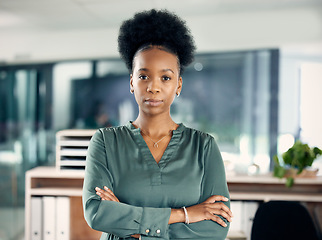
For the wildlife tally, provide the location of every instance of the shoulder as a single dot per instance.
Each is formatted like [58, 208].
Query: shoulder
[199, 135]
[204, 143]
[110, 133]
[110, 130]
[207, 145]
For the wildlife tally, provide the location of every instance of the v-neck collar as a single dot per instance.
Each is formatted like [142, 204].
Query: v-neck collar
[147, 155]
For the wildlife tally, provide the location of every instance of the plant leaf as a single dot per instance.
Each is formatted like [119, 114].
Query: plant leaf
[276, 161]
[317, 151]
[289, 182]
[279, 171]
[288, 156]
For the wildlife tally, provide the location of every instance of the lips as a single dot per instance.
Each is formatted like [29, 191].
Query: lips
[153, 102]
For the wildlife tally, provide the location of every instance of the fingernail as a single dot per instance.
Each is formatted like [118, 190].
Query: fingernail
[97, 188]
[106, 187]
[226, 199]
[225, 225]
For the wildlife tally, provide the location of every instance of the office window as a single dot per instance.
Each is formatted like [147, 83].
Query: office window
[229, 95]
[232, 96]
[25, 138]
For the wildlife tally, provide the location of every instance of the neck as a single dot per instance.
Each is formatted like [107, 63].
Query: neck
[155, 126]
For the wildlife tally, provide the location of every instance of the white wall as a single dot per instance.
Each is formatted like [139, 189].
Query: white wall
[220, 32]
[291, 61]
[249, 30]
[38, 46]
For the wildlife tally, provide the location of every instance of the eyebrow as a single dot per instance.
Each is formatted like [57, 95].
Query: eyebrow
[167, 70]
[163, 70]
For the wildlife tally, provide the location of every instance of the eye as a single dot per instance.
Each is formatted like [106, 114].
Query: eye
[166, 78]
[143, 77]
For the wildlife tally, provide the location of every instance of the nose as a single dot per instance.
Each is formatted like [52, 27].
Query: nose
[154, 86]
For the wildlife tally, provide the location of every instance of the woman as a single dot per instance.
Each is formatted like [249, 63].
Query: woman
[154, 178]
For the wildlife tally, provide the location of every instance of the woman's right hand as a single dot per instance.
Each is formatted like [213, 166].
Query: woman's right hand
[209, 209]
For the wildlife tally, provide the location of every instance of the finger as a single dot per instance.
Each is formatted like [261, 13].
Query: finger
[102, 196]
[216, 198]
[110, 191]
[105, 195]
[222, 213]
[110, 196]
[136, 235]
[218, 220]
[222, 206]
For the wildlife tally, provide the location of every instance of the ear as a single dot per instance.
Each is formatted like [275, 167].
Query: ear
[179, 88]
[131, 82]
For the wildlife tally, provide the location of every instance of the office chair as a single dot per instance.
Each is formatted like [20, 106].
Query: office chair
[283, 220]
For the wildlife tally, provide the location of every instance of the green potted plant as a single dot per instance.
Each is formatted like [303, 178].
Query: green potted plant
[295, 161]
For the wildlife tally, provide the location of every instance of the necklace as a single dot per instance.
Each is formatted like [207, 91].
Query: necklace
[156, 145]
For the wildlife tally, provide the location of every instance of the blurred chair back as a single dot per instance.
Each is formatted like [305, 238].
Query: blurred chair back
[283, 220]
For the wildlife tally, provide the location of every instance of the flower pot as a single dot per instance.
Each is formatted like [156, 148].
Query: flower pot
[306, 173]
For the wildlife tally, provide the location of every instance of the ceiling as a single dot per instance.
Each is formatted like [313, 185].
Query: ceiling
[52, 30]
[18, 15]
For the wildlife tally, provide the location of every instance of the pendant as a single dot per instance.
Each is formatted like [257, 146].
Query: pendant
[155, 145]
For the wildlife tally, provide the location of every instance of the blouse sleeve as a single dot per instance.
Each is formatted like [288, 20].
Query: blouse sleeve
[213, 183]
[119, 219]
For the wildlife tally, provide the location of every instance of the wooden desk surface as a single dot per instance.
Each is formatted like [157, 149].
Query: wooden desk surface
[269, 179]
[258, 188]
[267, 187]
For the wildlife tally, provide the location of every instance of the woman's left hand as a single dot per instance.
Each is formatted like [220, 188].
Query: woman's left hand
[106, 194]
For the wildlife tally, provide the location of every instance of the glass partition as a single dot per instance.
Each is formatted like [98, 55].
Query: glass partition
[229, 95]
[25, 136]
[232, 96]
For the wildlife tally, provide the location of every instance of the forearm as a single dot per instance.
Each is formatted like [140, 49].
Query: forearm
[201, 229]
[176, 216]
[124, 220]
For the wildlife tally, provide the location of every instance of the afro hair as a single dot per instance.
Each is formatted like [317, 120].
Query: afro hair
[156, 27]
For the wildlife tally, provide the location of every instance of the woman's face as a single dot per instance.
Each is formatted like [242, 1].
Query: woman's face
[155, 80]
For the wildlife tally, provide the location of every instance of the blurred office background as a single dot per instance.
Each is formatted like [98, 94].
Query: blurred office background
[255, 83]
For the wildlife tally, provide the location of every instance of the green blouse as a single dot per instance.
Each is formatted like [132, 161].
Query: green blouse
[190, 171]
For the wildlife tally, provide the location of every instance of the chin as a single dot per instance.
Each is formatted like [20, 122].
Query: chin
[154, 111]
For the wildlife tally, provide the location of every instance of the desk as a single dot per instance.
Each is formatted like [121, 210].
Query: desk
[50, 181]
[267, 187]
